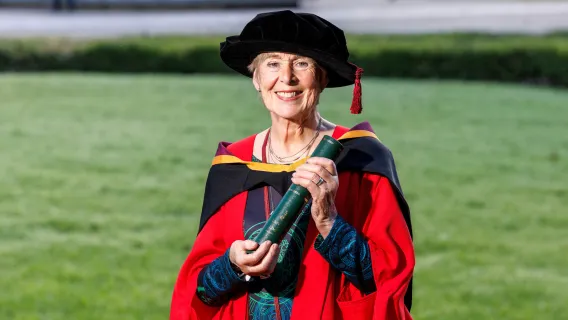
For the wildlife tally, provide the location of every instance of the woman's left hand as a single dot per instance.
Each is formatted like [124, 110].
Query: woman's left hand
[323, 191]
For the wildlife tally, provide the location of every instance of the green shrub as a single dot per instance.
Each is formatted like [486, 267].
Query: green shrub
[511, 58]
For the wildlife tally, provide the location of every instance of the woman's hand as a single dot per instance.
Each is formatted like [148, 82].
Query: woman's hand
[323, 190]
[258, 263]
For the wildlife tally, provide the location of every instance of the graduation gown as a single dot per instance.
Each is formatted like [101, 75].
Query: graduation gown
[369, 198]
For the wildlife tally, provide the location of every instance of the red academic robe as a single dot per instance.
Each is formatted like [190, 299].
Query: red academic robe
[370, 202]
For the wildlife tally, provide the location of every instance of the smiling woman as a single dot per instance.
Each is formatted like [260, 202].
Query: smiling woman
[290, 85]
[349, 254]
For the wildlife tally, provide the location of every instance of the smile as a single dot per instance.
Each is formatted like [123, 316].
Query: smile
[288, 95]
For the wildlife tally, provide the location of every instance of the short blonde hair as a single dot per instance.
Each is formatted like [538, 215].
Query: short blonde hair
[257, 61]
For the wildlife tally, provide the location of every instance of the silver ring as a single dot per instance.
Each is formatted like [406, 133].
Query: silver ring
[320, 182]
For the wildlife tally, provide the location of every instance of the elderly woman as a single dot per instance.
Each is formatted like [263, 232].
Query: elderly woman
[349, 253]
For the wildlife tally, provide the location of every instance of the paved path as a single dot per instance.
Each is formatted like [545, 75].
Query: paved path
[399, 17]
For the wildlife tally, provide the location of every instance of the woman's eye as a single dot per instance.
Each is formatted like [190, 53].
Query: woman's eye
[302, 64]
[272, 64]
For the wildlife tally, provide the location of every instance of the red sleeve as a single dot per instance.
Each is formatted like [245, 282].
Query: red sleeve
[379, 218]
[208, 246]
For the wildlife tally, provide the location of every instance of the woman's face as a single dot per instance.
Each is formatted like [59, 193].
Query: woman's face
[289, 84]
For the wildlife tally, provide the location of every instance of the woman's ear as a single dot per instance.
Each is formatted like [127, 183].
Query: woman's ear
[323, 79]
[255, 81]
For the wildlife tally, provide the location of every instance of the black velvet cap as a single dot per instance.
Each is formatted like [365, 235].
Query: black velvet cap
[304, 34]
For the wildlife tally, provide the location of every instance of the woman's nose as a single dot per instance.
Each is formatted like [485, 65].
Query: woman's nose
[287, 75]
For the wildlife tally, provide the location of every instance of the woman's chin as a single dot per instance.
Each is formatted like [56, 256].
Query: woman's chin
[290, 112]
[292, 116]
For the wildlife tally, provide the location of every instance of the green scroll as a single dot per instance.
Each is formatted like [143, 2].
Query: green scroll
[295, 198]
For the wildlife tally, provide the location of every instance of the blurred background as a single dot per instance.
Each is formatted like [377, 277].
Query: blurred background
[111, 111]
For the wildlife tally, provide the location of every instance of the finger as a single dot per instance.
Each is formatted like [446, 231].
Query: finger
[314, 177]
[315, 169]
[251, 259]
[308, 184]
[250, 245]
[264, 267]
[329, 182]
[327, 164]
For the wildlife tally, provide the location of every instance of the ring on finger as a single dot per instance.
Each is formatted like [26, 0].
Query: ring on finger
[320, 182]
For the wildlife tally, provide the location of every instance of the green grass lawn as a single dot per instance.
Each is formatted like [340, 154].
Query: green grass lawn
[102, 178]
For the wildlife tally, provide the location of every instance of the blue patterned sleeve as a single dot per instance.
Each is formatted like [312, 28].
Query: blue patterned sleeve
[218, 281]
[346, 250]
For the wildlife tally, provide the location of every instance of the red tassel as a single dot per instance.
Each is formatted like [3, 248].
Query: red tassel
[356, 105]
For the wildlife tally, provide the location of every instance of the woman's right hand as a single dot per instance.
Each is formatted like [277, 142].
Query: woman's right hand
[261, 262]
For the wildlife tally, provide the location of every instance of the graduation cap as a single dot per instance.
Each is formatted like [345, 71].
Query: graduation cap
[304, 34]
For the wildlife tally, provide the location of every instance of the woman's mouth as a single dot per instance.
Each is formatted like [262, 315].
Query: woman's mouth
[288, 95]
